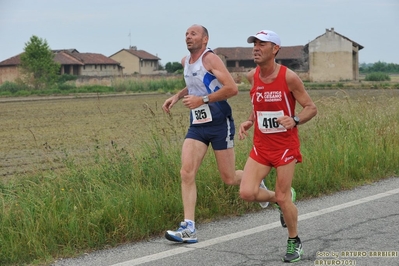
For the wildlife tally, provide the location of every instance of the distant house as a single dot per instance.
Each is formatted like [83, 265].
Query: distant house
[72, 62]
[333, 57]
[9, 69]
[329, 57]
[86, 64]
[136, 61]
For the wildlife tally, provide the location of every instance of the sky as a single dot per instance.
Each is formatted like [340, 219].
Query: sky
[159, 26]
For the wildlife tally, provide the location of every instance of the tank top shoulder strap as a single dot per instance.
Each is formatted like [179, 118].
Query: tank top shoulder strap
[206, 50]
[257, 69]
[281, 72]
[199, 59]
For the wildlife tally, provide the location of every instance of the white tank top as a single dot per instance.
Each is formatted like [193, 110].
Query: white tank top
[200, 82]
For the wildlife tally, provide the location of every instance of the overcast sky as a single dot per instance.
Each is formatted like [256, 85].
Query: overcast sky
[159, 26]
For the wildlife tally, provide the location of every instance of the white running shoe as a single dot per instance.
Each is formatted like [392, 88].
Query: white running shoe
[182, 234]
[263, 204]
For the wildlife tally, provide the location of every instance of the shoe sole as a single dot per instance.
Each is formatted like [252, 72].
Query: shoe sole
[178, 239]
[295, 260]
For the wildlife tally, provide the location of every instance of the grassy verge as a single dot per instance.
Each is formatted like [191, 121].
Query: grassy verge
[131, 192]
[117, 85]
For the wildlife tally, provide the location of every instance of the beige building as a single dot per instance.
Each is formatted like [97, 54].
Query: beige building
[86, 64]
[333, 57]
[9, 69]
[136, 61]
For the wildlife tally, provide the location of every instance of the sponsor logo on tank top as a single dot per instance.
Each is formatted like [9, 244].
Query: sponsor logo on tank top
[259, 97]
[272, 96]
[269, 96]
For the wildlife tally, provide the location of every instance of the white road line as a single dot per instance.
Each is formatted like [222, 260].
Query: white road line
[221, 239]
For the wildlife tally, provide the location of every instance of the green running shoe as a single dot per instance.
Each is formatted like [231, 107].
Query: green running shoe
[294, 251]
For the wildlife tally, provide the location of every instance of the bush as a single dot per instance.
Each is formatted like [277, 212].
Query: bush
[377, 76]
[12, 87]
[66, 77]
[23, 93]
[66, 87]
[340, 85]
[95, 89]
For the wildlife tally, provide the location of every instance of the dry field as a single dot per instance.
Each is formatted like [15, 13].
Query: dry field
[40, 133]
[394, 77]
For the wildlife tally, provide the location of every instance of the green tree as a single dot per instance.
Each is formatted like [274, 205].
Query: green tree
[38, 66]
[380, 67]
[173, 67]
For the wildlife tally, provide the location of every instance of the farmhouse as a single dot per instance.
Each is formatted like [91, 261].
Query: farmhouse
[72, 62]
[333, 57]
[136, 61]
[9, 69]
[86, 64]
[329, 57]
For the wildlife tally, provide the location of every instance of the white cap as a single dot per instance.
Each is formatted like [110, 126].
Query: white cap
[265, 36]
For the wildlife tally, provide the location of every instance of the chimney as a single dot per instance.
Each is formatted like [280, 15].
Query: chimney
[331, 30]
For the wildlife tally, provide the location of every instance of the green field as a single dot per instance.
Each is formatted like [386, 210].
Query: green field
[81, 174]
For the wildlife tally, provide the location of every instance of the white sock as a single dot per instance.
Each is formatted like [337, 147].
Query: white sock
[190, 225]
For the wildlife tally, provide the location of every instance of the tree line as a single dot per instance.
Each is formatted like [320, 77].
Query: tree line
[381, 67]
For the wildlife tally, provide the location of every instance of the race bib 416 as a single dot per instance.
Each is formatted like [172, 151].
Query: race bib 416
[267, 122]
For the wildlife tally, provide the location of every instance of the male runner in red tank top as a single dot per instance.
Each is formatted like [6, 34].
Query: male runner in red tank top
[275, 91]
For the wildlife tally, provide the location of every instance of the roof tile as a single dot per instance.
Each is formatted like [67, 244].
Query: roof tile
[142, 54]
[68, 57]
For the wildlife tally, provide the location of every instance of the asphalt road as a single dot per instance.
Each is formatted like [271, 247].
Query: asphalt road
[357, 227]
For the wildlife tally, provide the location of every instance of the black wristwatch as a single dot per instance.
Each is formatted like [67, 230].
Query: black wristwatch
[296, 120]
[205, 99]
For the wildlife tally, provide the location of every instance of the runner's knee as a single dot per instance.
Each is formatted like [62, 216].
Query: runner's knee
[283, 199]
[229, 179]
[247, 195]
[187, 176]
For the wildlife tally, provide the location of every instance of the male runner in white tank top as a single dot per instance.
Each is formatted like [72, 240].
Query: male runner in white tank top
[208, 86]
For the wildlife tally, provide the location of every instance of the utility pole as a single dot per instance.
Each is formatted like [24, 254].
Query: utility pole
[130, 39]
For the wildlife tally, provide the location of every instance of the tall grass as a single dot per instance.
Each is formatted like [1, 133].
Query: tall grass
[352, 141]
[132, 193]
[170, 84]
[150, 85]
[127, 85]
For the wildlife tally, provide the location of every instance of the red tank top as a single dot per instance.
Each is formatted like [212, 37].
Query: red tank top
[270, 101]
